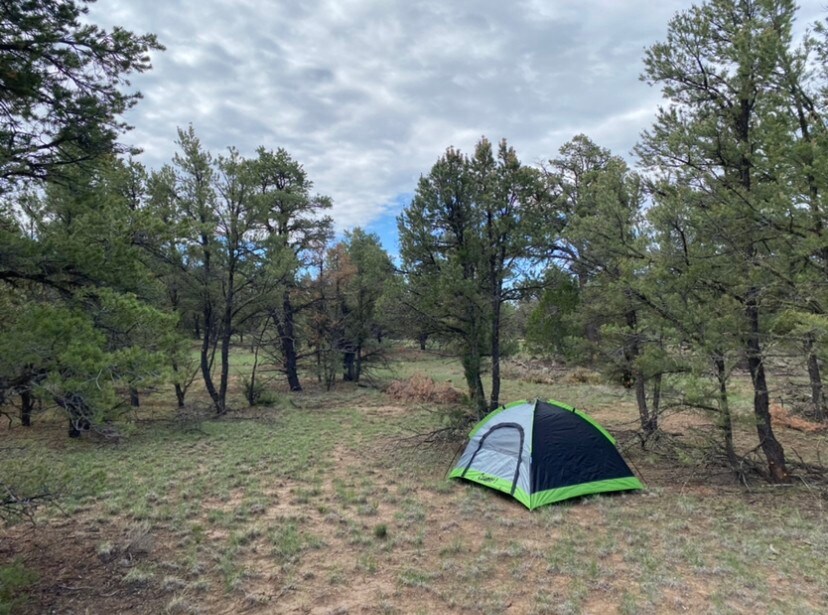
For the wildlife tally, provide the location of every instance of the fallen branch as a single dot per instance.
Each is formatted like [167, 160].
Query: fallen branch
[436, 437]
[14, 506]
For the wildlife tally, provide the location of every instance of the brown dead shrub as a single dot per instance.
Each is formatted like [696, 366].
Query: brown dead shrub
[422, 388]
[781, 417]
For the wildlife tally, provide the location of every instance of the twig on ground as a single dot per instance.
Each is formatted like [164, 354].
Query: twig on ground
[14, 506]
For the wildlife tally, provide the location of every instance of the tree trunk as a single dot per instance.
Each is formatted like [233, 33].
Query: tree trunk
[179, 395]
[358, 364]
[774, 453]
[656, 404]
[227, 334]
[348, 360]
[494, 400]
[206, 362]
[471, 369]
[256, 343]
[641, 399]
[134, 398]
[26, 407]
[815, 376]
[631, 352]
[78, 412]
[286, 328]
[422, 338]
[180, 391]
[591, 330]
[226, 338]
[725, 420]
[197, 328]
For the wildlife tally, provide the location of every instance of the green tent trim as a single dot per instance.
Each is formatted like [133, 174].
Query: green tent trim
[551, 496]
[493, 482]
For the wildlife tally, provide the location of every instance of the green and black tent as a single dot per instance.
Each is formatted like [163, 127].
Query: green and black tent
[542, 452]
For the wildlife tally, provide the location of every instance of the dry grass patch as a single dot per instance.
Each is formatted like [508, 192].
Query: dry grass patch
[422, 388]
[782, 417]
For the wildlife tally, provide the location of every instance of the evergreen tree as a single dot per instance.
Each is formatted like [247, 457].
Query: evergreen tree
[363, 328]
[604, 247]
[61, 87]
[82, 332]
[718, 69]
[296, 225]
[469, 241]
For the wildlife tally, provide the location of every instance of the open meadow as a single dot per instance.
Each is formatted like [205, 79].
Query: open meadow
[324, 503]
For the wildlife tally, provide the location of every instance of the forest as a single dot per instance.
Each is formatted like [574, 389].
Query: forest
[214, 298]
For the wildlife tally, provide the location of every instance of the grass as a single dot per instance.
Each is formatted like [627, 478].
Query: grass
[315, 505]
[15, 578]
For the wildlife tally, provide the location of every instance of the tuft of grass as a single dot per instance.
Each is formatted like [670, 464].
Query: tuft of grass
[246, 536]
[367, 563]
[15, 578]
[455, 547]
[172, 583]
[138, 576]
[200, 586]
[106, 551]
[181, 605]
[287, 542]
[381, 531]
[416, 577]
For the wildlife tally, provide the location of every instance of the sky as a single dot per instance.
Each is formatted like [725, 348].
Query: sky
[367, 94]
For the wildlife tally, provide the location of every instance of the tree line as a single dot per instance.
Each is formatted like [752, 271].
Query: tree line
[708, 259]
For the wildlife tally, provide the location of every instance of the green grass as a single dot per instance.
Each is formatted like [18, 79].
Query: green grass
[15, 578]
[317, 499]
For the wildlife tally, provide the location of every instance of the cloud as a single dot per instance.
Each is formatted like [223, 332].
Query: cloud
[368, 93]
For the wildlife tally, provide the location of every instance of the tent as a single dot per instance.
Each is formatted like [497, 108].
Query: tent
[542, 452]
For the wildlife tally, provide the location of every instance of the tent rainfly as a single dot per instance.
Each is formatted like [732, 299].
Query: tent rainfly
[541, 452]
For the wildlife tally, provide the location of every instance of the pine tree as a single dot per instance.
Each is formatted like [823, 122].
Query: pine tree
[718, 71]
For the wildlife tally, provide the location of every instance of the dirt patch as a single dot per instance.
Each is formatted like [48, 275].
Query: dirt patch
[74, 573]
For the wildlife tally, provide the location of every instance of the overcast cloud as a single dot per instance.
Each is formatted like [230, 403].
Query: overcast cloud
[368, 93]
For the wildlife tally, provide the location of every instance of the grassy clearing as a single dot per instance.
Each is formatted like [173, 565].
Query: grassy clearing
[313, 507]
